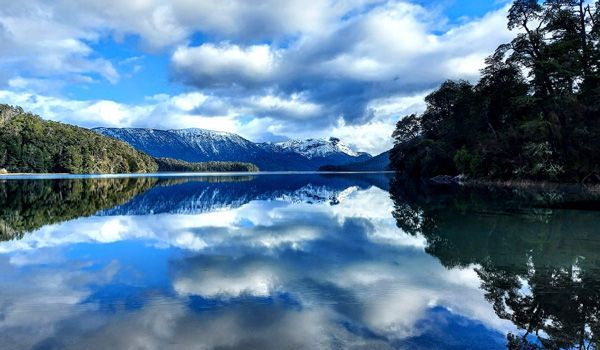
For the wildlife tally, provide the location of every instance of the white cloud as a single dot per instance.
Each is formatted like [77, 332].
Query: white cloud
[34, 40]
[187, 102]
[397, 40]
[295, 106]
[365, 69]
[196, 109]
[267, 70]
[225, 64]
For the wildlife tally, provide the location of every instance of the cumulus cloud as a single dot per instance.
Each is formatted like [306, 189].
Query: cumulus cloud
[225, 65]
[54, 36]
[392, 50]
[33, 41]
[268, 69]
[356, 70]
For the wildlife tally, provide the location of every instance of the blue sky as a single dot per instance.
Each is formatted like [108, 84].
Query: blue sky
[268, 70]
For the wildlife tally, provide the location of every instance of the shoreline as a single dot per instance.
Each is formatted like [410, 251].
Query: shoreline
[43, 174]
[526, 185]
[18, 176]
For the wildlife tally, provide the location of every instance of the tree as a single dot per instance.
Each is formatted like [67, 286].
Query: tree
[407, 129]
[544, 125]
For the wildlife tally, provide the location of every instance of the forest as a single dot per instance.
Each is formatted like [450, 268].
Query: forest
[534, 114]
[175, 165]
[30, 144]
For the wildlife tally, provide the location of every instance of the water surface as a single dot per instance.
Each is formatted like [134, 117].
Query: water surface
[284, 261]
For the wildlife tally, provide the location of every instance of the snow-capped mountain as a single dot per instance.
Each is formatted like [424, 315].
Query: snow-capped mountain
[323, 151]
[199, 145]
[314, 148]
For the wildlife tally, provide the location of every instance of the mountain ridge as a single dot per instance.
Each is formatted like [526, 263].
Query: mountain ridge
[202, 145]
[380, 162]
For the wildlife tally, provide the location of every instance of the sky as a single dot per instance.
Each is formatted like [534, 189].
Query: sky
[269, 70]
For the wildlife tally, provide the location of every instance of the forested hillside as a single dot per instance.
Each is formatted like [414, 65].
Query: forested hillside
[31, 144]
[534, 114]
[175, 165]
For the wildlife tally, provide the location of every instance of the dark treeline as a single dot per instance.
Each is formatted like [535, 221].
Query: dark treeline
[175, 165]
[539, 267]
[534, 114]
[31, 144]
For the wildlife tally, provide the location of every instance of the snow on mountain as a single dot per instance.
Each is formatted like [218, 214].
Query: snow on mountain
[314, 148]
[192, 145]
[199, 145]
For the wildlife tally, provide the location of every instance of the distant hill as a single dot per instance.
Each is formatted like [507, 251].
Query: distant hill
[378, 163]
[199, 145]
[30, 144]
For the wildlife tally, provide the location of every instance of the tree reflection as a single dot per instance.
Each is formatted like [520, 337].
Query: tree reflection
[27, 205]
[539, 267]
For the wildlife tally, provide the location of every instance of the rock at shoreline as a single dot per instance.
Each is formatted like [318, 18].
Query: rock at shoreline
[3, 171]
[448, 179]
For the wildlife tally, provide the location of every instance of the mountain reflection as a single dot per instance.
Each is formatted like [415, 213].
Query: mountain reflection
[27, 205]
[205, 194]
[539, 268]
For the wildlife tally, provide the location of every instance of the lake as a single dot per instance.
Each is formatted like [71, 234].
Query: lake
[293, 261]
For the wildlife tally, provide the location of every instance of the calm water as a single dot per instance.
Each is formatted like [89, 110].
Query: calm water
[293, 262]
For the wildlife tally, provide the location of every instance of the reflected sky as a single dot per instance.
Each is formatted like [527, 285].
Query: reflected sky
[279, 262]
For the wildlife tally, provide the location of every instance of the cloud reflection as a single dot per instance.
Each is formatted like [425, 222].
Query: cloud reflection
[271, 273]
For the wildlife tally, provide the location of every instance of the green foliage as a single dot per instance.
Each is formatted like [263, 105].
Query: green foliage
[542, 126]
[466, 162]
[28, 205]
[30, 144]
[169, 164]
[407, 129]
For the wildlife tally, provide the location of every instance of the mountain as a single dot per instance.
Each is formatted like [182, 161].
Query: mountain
[323, 151]
[199, 145]
[30, 144]
[378, 163]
